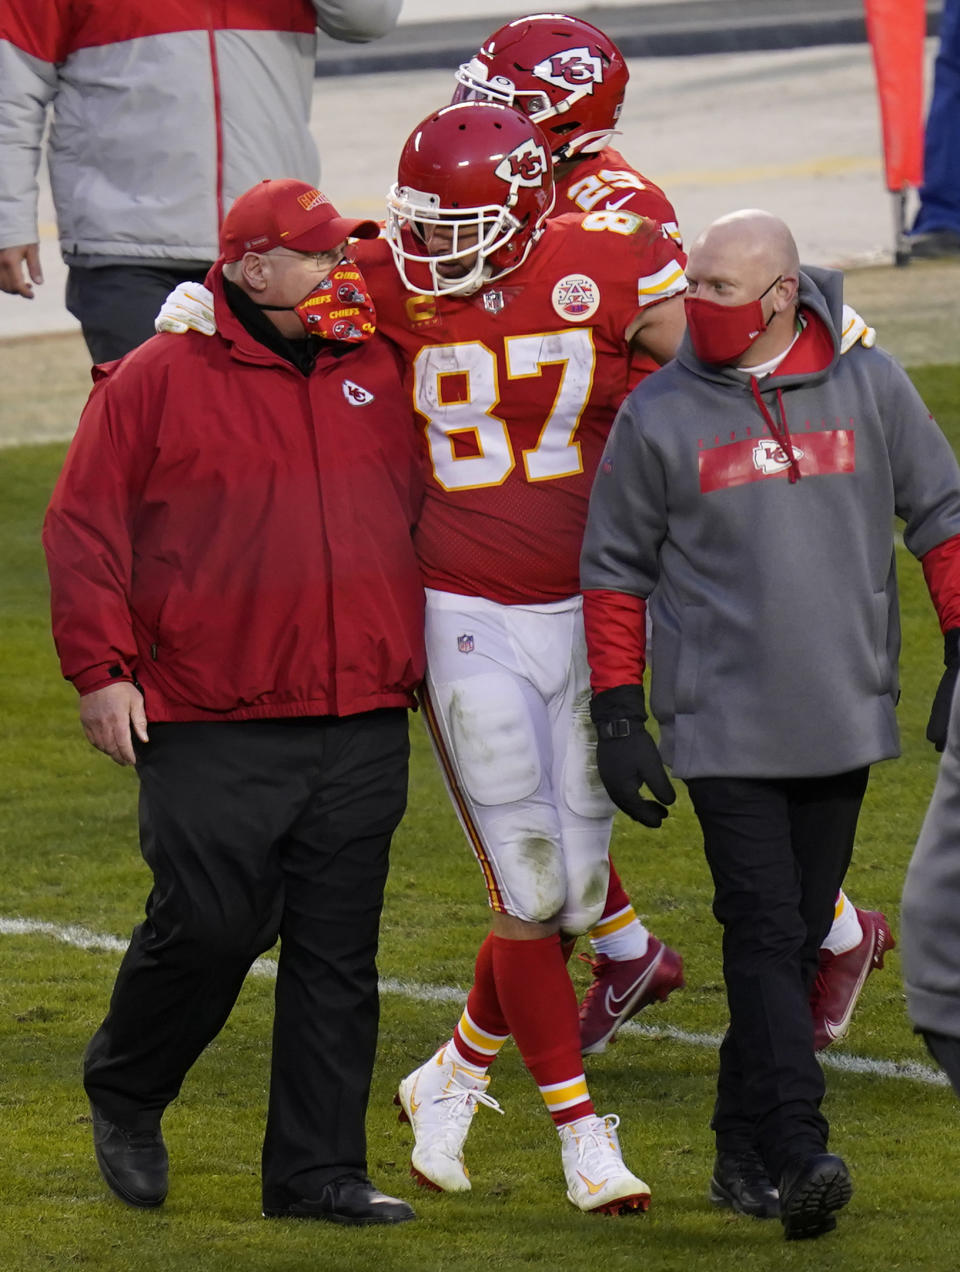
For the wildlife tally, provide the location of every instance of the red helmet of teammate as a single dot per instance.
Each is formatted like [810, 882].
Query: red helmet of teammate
[474, 187]
[563, 72]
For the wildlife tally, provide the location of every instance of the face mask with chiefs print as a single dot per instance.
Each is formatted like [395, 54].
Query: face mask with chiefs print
[340, 308]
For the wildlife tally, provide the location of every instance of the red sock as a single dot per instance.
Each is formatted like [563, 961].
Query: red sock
[482, 1029]
[617, 898]
[540, 1007]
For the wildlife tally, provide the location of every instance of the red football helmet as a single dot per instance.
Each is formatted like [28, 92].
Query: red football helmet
[474, 187]
[563, 72]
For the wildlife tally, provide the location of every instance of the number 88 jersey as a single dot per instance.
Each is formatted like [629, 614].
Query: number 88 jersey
[515, 388]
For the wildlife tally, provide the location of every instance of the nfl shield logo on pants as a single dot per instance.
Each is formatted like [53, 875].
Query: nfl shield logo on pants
[465, 643]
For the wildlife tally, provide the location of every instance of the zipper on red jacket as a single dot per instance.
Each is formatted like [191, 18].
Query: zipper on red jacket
[217, 113]
[332, 620]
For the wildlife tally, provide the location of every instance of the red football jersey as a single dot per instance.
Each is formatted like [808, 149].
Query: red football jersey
[606, 182]
[516, 388]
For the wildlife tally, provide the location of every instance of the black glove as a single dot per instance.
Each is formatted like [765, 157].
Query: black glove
[940, 711]
[627, 756]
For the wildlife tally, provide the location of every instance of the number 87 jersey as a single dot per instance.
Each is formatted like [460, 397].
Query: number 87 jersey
[515, 388]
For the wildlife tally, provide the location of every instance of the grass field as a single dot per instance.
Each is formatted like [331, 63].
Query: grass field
[69, 861]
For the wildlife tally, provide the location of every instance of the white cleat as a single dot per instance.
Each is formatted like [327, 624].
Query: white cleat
[439, 1100]
[597, 1179]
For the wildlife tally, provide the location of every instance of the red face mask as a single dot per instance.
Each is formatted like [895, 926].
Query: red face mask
[339, 308]
[721, 333]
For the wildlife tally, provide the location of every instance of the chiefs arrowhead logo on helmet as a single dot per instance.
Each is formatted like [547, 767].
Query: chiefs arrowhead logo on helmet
[525, 165]
[571, 68]
[563, 72]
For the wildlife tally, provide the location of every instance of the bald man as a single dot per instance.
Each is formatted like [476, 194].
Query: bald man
[747, 495]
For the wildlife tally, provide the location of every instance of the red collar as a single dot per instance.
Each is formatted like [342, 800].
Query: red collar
[811, 351]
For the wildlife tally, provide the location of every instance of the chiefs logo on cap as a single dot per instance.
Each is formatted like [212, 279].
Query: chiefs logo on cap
[311, 199]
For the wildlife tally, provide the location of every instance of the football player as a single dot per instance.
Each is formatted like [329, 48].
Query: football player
[570, 78]
[519, 333]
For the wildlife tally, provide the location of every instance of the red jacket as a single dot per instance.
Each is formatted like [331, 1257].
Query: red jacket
[236, 536]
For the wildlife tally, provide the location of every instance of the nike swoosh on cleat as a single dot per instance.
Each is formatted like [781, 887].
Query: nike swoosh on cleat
[591, 1187]
[837, 1028]
[615, 1003]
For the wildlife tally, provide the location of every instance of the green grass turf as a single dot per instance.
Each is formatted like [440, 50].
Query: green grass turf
[68, 854]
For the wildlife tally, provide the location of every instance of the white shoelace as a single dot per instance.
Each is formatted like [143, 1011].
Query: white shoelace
[461, 1101]
[596, 1150]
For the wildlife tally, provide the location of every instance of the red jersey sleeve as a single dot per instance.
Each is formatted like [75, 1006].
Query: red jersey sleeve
[615, 624]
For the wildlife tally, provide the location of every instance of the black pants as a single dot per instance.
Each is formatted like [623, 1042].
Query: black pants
[116, 304]
[946, 1051]
[778, 852]
[256, 830]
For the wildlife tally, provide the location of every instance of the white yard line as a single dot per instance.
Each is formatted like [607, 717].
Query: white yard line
[83, 939]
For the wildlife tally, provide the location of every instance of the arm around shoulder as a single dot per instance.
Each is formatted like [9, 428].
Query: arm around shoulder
[657, 329]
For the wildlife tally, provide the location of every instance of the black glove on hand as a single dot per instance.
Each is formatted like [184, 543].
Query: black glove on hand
[627, 756]
[940, 711]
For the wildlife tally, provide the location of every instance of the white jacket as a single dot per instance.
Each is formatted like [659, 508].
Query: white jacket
[162, 113]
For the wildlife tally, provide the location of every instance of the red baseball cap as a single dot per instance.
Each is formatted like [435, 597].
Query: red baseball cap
[287, 213]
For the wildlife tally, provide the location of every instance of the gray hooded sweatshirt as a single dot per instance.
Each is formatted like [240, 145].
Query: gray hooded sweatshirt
[776, 631]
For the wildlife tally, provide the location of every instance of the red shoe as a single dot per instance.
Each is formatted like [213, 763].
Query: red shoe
[841, 976]
[621, 989]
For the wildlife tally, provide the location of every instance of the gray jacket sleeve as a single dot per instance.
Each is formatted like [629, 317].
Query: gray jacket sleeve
[930, 918]
[626, 522]
[27, 85]
[357, 21]
[925, 471]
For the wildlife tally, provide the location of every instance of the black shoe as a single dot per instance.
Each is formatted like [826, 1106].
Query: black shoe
[811, 1189]
[133, 1163]
[347, 1200]
[740, 1180]
[935, 244]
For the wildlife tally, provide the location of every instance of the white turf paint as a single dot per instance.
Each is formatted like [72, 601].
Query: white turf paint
[83, 939]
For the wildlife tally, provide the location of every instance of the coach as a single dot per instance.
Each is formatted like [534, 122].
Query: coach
[236, 598]
[747, 494]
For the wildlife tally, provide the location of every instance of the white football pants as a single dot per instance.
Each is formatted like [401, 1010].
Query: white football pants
[507, 704]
